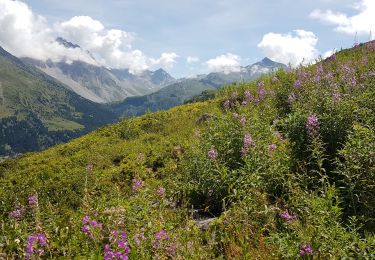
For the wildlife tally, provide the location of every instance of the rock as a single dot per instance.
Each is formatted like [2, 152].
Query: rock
[204, 224]
[204, 118]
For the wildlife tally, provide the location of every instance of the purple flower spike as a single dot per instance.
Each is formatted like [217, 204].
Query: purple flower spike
[17, 214]
[137, 185]
[298, 83]
[261, 91]
[260, 84]
[247, 143]
[107, 248]
[305, 249]
[85, 229]
[312, 124]
[33, 200]
[120, 246]
[35, 244]
[332, 57]
[271, 148]
[248, 96]
[161, 235]
[85, 219]
[160, 191]
[212, 153]
[287, 217]
[227, 104]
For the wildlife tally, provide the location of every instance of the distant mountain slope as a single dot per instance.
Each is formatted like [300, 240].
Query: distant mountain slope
[247, 73]
[37, 111]
[100, 84]
[170, 96]
[184, 90]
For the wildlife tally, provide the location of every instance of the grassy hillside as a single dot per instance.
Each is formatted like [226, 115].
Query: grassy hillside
[37, 111]
[170, 96]
[278, 168]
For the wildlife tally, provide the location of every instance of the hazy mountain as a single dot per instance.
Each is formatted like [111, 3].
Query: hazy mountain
[100, 84]
[37, 111]
[185, 89]
[247, 73]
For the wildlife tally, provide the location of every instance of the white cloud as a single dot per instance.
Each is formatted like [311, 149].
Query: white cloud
[26, 34]
[167, 60]
[192, 59]
[111, 47]
[293, 48]
[225, 63]
[362, 23]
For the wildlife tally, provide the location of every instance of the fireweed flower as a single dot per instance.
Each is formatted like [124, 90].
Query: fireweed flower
[160, 191]
[319, 69]
[305, 249]
[260, 84]
[297, 83]
[352, 82]
[162, 243]
[139, 237]
[248, 96]
[303, 74]
[35, 245]
[286, 216]
[33, 200]
[212, 153]
[119, 246]
[137, 185]
[346, 69]
[85, 219]
[312, 124]
[247, 143]
[329, 76]
[17, 214]
[247, 140]
[161, 235]
[332, 57]
[89, 226]
[261, 91]
[227, 104]
[271, 148]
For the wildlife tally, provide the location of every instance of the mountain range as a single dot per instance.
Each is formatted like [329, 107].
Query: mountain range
[187, 88]
[43, 103]
[101, 84]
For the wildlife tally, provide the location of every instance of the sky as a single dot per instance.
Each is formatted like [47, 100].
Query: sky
[185, 38]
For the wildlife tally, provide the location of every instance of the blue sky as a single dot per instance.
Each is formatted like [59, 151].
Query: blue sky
[213, 33]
